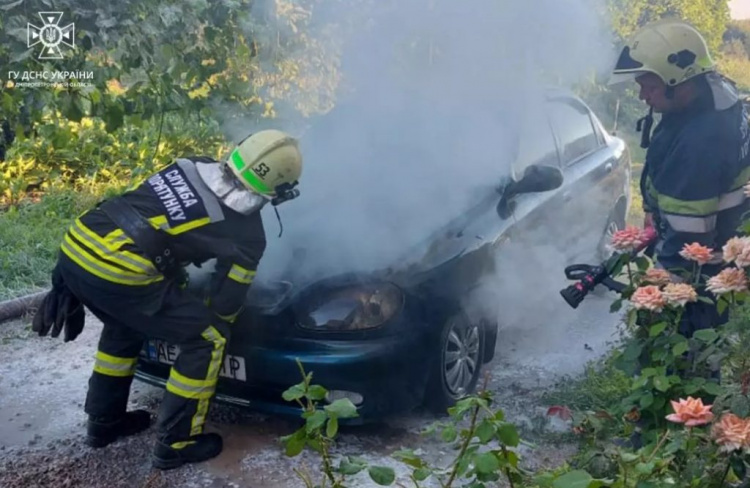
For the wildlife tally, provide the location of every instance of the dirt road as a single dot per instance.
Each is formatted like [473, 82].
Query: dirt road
[43, 386]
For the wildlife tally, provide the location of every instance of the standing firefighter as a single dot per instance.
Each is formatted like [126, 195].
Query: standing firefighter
[698, 159]
[124, 260]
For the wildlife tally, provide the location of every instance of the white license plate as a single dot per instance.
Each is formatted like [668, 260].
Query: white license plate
[156, 350]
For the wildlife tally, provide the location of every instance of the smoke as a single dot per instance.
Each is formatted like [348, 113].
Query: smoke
[432, 99]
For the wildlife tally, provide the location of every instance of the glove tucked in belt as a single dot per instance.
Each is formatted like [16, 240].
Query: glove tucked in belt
[59, 310]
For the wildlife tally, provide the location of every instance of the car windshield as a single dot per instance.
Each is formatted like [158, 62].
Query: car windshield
[379, 182]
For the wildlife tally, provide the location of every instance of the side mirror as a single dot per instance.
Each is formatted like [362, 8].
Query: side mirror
[535, 179]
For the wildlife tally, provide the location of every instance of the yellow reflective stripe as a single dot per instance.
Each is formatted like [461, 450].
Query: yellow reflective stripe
[181, 444]
[741, 179]
[113, 366]
[160, 222]
[690, 208]
[188, 226]
[103, 270]
[117, 239]
[241, 275]
[232, 317]
[132, 261]
[190, 382]
[186, 391]
[214, 367]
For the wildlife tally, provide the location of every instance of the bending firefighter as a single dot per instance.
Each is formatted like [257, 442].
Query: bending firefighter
[698, 159]
[124, 260]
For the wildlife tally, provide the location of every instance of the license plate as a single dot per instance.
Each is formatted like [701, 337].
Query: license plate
[233, 367]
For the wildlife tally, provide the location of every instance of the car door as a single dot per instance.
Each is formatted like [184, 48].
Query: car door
[527, 256]
[588, 198]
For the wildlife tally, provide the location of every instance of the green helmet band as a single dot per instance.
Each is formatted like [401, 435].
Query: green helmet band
[247, 174]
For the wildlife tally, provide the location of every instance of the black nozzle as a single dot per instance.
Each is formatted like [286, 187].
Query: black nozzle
[574, 295]
[588, 277]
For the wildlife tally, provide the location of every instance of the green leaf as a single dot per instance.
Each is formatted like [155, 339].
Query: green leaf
[449, 433]
[461, 407]
[645, 468]
[407, 456]
[713, 388]
[657, 329]
[294, 393]
[422, 474]
[113, 117]
[721, 306]
[485, 431]
[351, 466]
[508, 435]
[739, 467]
[648, 372]
[486, 462]
[294, 443]
[574, 479]
[740, 406]
[632, 351]
[316, 392]
[706, 335]
[382, 475]
[706, 300]
[680, 348]
[333, 426]
[629, 457]
[661, 383]
[616, 306]
[647, 400]
[343, 408]
[316, 421]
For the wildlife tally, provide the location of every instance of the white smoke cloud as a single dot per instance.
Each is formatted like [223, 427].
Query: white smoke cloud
[433, 96]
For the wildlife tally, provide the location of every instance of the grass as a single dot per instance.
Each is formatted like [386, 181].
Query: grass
[600, 387]
[31, 235]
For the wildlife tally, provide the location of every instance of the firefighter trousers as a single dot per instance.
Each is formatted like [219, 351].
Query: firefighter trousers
[130, 315]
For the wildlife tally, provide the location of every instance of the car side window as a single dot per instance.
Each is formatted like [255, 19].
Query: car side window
[574, 129]
[537, 145]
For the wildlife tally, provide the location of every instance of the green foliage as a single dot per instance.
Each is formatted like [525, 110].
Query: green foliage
[84, 156]
[710, 17]
[213, 58]
[318, 433]
[31, 235]
[600, 386]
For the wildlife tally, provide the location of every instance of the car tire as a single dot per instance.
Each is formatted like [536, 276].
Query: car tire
[615, 222]
[457, 364]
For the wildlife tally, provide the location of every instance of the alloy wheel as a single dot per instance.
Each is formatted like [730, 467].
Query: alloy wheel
[460, 356]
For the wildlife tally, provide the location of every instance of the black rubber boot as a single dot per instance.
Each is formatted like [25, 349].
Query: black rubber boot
[197, 449]
[104, 431]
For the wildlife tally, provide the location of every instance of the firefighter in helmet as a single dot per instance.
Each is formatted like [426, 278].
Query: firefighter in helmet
[124, 260]
[697, 160]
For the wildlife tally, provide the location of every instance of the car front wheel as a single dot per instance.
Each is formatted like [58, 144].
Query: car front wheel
[457, 364]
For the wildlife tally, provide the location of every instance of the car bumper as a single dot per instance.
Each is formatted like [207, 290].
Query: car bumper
[390, 374]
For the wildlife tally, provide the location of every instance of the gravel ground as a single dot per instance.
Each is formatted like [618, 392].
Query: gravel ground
[43, 385]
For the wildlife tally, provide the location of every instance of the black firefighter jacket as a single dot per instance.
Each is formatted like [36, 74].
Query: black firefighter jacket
[199, 227]
[696, 167]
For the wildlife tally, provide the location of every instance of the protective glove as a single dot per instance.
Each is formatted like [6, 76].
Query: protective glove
[59, 310]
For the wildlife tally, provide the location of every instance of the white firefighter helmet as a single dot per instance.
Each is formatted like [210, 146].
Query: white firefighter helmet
[671, 49]
[266, 160]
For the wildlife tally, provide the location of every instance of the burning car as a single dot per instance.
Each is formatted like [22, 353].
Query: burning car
[400, 337]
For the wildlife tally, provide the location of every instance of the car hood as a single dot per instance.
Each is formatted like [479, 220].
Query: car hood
[462, 235]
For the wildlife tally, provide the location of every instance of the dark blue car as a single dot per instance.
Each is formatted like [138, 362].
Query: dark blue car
[400, 337]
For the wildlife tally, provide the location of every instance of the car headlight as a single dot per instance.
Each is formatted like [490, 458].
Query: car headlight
[351, 308]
